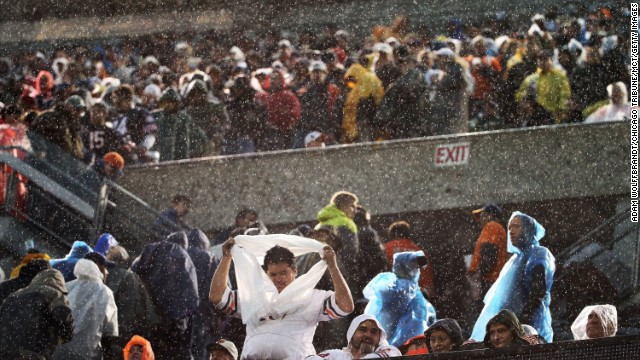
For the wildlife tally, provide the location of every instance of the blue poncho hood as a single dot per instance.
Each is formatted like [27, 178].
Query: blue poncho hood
[104, 243]
[66, 265]
[171, 276]
[396, 301]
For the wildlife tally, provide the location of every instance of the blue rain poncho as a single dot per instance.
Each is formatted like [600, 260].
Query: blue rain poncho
[170, 275]
[396, 301]
[105, 242]
[66, 265]
[513, 286]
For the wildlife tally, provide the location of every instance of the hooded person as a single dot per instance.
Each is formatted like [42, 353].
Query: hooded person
[95, 314]
[362, 101]
[32, 254]
[449, 110]
[339, 215]
[596, 321]
[136, 312]
[504, 331]
[168, 271]
[209, 114]
[104, 243]
[59, 68]
[67, 264]
[283, 113]
[178, 135]
[43, 92]
[618, 107]
[248, 118]
[138, 348]
[394, 118]
[444, 335]
[203, 261]
[366, 339]
[524, 284]
[35, 319]
[396, 300]
[26, 275]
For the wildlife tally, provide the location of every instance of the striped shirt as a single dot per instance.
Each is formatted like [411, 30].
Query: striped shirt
[289, 337]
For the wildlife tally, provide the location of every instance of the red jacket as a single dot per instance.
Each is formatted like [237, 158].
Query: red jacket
[283, 109]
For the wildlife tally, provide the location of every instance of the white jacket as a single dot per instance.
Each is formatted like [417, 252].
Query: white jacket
[94, 313]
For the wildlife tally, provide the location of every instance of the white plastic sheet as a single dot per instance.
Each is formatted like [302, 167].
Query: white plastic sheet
[257, 295]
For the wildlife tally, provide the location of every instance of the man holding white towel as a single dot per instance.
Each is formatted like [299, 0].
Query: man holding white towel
[281, 312]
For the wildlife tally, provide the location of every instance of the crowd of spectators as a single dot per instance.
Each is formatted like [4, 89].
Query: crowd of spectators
[177, 96]
[181, 298]
[174, 96]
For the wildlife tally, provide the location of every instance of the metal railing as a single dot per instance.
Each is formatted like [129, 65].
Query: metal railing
[63, 207]
[595, 234]
[591, 270]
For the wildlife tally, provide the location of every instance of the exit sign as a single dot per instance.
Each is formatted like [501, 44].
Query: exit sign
[452, 154]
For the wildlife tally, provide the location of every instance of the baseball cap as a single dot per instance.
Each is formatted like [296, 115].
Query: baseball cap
[490, 208]
[383, 48]
[224, 345]
[312, 136]
[99, 259]
[75, 102]
[115, 160]
[150, 59]
[392, 41]
[285, 43]
[445, 51]
[317, 66]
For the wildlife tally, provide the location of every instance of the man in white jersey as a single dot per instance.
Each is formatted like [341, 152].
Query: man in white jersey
[287, 335]
[366, 340]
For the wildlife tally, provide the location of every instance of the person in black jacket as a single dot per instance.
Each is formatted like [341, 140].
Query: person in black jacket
[135, 125]
[27, 273]
[371, 254]
[34, 320]
[247, 118]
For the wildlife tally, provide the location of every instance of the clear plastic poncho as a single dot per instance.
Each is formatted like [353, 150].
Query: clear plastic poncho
[257, 295]
[512, 288]
[396, 301]
[94, 313]
[608, 318]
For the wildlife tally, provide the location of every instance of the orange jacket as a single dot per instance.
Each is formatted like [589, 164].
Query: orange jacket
[492, 233]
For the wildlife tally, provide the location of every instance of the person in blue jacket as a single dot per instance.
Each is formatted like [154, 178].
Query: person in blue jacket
[66, 265]
[396, 301]
[524, 284]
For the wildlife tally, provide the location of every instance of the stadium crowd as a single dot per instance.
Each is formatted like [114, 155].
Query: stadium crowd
[173, 96]
[335, 287]
[333, 290]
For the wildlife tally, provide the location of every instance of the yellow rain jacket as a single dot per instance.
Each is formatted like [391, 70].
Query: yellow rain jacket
[367, 85]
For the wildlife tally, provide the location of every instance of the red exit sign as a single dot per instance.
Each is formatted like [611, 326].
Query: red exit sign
[452, 154]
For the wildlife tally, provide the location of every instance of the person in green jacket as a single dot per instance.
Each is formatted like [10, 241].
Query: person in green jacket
[548, 86]
[178, 135]
[339, 215]
[208, 114]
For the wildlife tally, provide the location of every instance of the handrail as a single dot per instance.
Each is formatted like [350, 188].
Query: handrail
[54, 179]
[43, 170]
[584, 240]
[46, 184]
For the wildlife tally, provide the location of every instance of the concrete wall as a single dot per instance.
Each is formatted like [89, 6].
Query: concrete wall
[523, 166]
